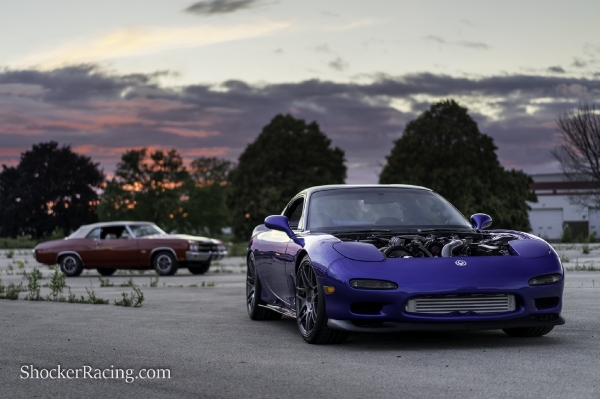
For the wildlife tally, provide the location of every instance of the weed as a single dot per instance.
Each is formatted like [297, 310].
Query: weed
[583, 268]
[564, 258]
[141, 271]
[154, 283]
[105, 282]
[193, 285]
[134, 299]
[72, 298]
[58, 282]
[20, 264]
[10, 254]
[33, 285]
[93, 299]
[2, 288]
[10, 269]
[208, 284]
[12, 291]
[585, 248]
[129, 283]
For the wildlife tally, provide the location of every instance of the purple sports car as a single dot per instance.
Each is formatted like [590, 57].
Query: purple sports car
[374, 258]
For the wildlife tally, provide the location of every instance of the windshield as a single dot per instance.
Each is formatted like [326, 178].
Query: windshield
[345, 209]
[143, 230]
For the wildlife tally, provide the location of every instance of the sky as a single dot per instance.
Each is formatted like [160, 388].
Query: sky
[204, 77]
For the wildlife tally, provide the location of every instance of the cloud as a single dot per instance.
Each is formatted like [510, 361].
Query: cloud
[210, 7]
[101, 114]
[338, 64]
[577, 63]
[556, 69]
[140, 41]
[461, 43]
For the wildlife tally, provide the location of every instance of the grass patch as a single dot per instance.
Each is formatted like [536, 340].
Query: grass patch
[128, 283]
[134, 299]
[105, 282]
[583, 268]
[208, 284]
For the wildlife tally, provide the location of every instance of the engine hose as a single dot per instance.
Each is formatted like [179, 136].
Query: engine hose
[450, 247]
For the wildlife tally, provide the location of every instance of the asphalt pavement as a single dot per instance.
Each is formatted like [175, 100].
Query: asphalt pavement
[203, 336]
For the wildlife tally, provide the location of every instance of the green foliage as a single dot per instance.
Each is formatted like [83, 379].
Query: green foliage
[158, 187]
[58, 282]
[11, 292]
[10, 254]
[443, 150]
[288, 156]
[134, 299]
[65, 192]
[129, 283]
[567, 235]
[153, 283]
[33, 285]
[92, 298]
[105, 282]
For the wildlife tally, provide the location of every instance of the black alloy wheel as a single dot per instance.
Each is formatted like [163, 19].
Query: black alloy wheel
[70, 265]
[253, 288]
[310, 308]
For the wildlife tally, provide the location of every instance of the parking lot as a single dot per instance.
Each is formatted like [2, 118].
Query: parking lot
[203, 336]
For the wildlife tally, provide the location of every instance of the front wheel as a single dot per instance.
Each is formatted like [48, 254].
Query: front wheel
[164, 263]
[71, 265]
[253, 301]
[528, 331]
[310, 309]
[199, 268]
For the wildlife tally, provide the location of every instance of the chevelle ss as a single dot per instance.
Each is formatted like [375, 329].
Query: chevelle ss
[344, 259]
[129, 245]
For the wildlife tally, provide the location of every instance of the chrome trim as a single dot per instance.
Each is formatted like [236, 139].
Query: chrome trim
[69, 253]
[282, 310]
[483, 304]
[203, 256]
[162, 249]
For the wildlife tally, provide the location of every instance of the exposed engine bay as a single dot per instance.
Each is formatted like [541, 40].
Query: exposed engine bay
[431, 246]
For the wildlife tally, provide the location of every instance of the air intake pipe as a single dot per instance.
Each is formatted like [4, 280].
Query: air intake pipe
[450, 247]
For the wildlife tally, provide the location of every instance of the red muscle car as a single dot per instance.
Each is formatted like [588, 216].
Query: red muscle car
[129, 245]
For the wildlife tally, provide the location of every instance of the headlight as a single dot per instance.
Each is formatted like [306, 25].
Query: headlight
[194, 247]
[545, 279]
[364, 284]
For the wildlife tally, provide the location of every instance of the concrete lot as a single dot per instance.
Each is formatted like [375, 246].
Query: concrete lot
[213, 350]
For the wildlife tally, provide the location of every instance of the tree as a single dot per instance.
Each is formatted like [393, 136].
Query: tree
[157, 187]
[579, 152]
[444, 150]
[288, 156]
[51, 188]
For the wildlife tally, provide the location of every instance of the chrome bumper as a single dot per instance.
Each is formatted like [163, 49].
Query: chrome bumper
[204, 256]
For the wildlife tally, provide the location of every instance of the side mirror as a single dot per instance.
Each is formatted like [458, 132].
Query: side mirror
[280, 222]
[480, 221]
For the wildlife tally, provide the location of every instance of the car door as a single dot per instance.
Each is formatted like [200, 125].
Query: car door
[85, 247]
[116, 247]
[295, 213]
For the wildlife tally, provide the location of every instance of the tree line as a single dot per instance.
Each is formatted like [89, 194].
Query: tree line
[54, 188]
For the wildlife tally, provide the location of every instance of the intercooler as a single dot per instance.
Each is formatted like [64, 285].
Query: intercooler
[483, 304]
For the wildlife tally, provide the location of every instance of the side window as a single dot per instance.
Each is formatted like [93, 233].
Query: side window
[112, 232]
[294, 213]
[94, 234]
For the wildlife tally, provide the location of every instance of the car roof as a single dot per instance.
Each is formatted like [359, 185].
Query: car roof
[315, 189]
[84, 230]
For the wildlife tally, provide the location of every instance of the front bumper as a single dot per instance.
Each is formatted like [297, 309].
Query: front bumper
[346, 325]
[204, 256]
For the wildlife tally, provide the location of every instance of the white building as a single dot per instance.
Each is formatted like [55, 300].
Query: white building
[553, 211]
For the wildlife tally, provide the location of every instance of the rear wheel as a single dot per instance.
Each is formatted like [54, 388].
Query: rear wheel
[70, 265]
[165, 263]
[106, 271]
[310, 309]
[253, 288]
[199, 268]
[528, 331]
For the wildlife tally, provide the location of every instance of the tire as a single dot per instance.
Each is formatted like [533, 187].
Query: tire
[528, 331]
[70, 265]
[200, 268]
[310, 309]
[164, 263]
[253, 290]
[105, 271]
